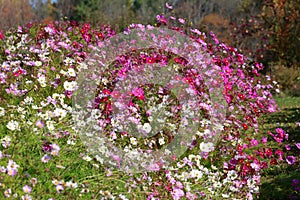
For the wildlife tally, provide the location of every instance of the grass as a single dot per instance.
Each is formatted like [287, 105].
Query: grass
[276, 181]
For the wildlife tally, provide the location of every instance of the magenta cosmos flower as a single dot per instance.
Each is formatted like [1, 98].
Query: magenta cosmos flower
[291, 160]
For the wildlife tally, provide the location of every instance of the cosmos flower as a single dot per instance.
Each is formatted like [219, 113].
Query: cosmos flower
[27, 189]
[290, 160]
[12, 125]
[45, 158]
[206, 147]
[169, 6]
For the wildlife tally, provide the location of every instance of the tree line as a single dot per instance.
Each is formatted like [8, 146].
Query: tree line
[267, 30]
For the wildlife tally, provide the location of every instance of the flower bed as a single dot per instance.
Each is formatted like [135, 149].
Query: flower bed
[42, 152]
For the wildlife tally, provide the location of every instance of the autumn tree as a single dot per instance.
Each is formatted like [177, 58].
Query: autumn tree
[282, 21]
[15, 12]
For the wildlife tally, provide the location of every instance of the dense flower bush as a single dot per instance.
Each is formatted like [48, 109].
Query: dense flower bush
[39, 67]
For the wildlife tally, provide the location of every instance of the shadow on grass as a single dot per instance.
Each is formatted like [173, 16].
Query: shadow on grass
[279, 186]
[277, 181]
[286, 115]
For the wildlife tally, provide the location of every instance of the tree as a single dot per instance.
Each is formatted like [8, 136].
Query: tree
[15, 12]
[282, 21]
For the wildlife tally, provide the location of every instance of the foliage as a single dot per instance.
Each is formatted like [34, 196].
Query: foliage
[281, 19]
[15, 12]
[270, 32]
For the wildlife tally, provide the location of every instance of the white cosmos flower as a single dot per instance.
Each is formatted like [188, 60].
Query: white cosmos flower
[12, 125]
[133, 141]
[58, 112]
[147, 127]
[196, 174]
[206, 147]
[70, 86]
[87, 158]
[71, 72]
[2, 112]
[67, 85]
[42, 80]
[50, 125]
[161, 141]
[28, 100]
[232, 175]
[38, 63]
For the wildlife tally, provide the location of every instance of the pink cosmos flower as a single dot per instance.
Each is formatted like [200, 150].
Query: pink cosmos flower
[11, 172]
[290, 160]
[87, 37]
[46, 147]
[169, 6]
[254, 142]
[153, 167]
[287, 147]
[40, 124]
[7, 192]
[177, 193]
[181, 20]
[298, 145]
[279, 153]
[27, 189]
[59, 188]
[139, 93]
[264, 140]
[162, 19]
[1, 36]
[295, 182]
[45, 158]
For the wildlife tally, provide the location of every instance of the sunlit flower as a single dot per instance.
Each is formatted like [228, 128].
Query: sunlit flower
[181, 20]
[71, 72]
[2, 111]
[133, 141]
[59, 188]
[45, 158]
[12, 165]
[70, 86]
[40, 124]
[26, 197]
[177, 193]
[7, 192]
[27, 189]
[11, 172]
[87, 158]
[206, 147]
[71, 184]
[161, 141]
[33, 181]
[147, 127]
[12, 125]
